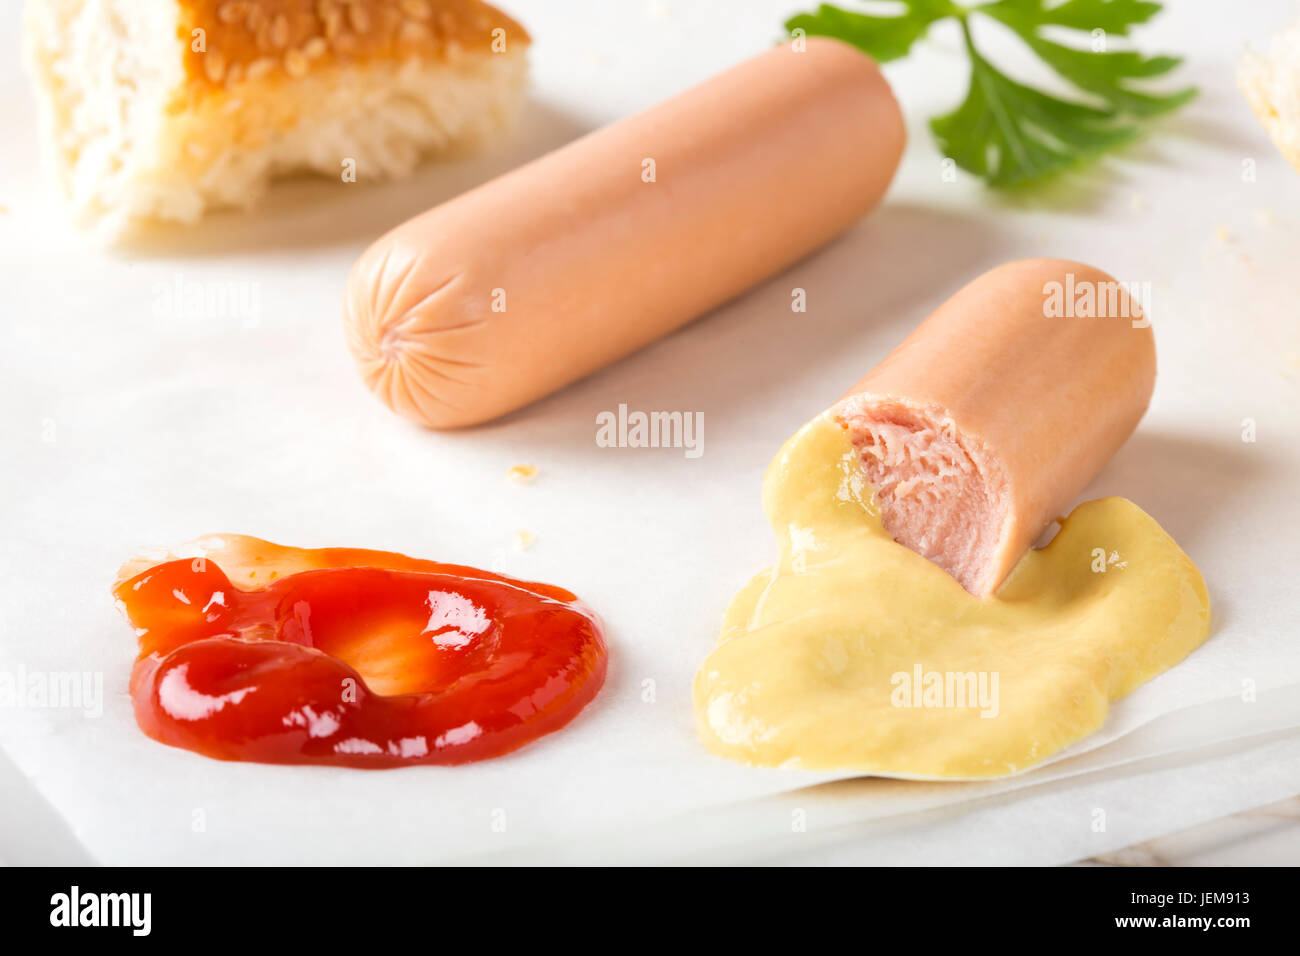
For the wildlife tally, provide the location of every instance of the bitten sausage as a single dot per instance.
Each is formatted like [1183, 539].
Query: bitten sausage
[529, 282]
[996, 411]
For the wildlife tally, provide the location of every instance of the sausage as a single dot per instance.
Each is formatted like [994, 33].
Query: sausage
[983, 425]
[531, 281]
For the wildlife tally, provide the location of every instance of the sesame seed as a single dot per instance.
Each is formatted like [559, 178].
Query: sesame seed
[358, 18]
[233, 11]
[333, 21]
[214, 65]
[260, 67]
[416, 9]
[280, 31]
[413, 32]
[295, 63]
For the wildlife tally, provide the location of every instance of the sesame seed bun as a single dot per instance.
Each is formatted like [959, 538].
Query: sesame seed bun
[163, 109]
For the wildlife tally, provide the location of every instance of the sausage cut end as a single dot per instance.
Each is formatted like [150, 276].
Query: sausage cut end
[939, 491]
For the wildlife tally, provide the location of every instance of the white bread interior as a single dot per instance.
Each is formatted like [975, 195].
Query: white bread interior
[1271, 83]
[139, 126]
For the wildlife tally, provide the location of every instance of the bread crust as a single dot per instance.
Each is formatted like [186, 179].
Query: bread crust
[228, 41]
[163, 109]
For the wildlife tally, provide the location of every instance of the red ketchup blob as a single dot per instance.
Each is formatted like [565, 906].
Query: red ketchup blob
[259, 652]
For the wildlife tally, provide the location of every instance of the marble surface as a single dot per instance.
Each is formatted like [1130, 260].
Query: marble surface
[1266, 836]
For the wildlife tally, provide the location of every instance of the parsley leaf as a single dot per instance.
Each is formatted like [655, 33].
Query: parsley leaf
[882, 38]
[1100, 72]
[1004, 131]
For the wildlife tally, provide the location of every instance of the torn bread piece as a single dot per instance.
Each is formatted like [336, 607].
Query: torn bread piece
[163, 109]
[1271, 84]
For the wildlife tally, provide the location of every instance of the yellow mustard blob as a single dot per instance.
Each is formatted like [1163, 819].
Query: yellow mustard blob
[855, 653]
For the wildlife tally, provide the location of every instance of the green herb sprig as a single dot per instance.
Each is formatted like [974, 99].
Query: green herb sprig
[1004, 131]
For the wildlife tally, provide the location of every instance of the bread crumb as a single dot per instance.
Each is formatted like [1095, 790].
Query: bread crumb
[1263, 217]
[1139, 203]
[524, 540]
[1223, 235]
[522, 474]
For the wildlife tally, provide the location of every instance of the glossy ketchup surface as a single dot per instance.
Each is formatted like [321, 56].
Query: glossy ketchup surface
[253, 651]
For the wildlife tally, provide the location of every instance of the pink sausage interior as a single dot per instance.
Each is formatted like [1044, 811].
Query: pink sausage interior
[939, 492]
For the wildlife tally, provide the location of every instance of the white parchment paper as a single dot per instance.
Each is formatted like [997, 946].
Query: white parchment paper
[130, 419]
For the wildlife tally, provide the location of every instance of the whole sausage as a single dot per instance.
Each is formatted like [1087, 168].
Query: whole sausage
[529, 282]
[983, 425]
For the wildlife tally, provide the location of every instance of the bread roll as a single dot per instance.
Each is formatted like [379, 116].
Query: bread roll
[162, 109]
[1271, 84]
